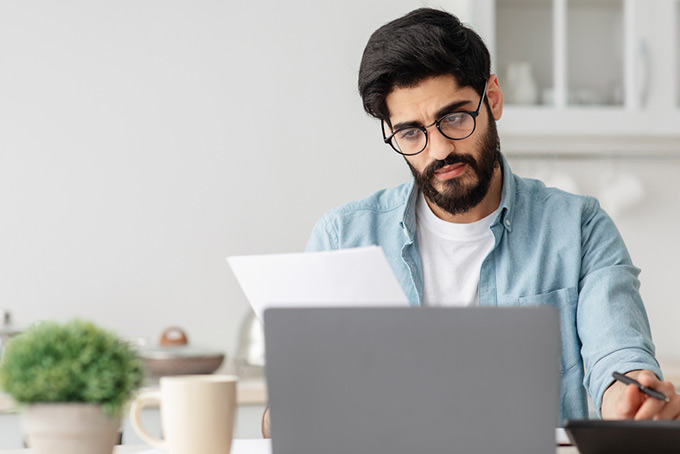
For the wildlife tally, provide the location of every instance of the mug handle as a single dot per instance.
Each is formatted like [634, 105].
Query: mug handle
[144, 399]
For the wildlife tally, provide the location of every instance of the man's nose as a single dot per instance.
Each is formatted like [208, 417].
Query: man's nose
[439, 146]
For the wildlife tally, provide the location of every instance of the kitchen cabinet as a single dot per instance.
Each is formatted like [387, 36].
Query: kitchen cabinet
[583, 75]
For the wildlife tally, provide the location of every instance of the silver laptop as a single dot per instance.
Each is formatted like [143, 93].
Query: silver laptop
[413, 380]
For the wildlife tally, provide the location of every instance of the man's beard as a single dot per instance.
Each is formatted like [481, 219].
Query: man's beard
[456, 197]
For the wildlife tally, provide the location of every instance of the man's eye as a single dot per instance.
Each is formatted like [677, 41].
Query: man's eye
[453, 120]
[409, 134]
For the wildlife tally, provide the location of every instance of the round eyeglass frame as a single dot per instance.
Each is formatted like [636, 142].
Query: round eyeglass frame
[473, 113]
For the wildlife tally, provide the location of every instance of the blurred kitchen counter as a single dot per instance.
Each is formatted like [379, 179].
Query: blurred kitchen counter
[253, 390]
[250, 391]
[671, 372]
[6, 403]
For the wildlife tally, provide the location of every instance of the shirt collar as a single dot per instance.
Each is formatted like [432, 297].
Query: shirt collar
[408, 223]
[505, 210]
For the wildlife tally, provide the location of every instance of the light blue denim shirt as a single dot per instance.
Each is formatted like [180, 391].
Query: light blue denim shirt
[551, 247]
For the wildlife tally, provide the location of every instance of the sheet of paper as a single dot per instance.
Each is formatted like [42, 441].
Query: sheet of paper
[345, 277]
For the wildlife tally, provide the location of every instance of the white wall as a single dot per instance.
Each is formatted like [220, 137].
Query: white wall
[143, 141]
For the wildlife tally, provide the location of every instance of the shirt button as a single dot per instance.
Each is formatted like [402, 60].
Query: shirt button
[507, 222]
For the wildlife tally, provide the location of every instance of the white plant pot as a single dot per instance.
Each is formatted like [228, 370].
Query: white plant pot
[69, 428]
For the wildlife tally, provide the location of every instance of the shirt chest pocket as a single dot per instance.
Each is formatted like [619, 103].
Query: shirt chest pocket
[565, 300]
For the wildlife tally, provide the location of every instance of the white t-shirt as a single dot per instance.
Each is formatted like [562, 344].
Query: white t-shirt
[451, 256]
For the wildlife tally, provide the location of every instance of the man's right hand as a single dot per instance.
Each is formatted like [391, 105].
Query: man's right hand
[622, 401]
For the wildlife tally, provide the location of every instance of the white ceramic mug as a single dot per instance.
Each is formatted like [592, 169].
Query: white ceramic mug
[197, 413]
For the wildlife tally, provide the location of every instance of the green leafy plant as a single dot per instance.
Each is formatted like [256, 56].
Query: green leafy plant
[72, 362]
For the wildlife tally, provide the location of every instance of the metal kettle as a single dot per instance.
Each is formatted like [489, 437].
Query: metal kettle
[249, 358]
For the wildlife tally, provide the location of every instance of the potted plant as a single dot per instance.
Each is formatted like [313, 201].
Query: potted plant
[74, 380]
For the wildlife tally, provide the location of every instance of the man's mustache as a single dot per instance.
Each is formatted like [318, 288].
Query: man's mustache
[451, 159]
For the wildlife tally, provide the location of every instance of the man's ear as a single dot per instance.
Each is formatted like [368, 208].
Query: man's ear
[494, 95]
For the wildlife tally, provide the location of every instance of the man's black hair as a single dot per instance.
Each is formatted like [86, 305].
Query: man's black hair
[424, 43]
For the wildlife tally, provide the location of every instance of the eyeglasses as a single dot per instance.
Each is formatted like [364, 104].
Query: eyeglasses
[455, 126]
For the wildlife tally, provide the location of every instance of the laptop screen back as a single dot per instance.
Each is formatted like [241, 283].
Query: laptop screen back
[413, 380]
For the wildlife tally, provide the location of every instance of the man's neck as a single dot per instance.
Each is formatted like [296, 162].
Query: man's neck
[488, 205]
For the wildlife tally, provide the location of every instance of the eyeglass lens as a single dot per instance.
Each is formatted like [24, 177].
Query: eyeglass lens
[457, 125]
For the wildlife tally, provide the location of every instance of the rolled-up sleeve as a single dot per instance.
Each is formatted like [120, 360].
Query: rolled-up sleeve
[611, 319]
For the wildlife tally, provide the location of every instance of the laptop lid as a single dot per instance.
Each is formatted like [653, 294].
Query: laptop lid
[413, 380]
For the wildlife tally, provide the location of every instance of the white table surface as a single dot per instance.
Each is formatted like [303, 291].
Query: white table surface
[239, 447]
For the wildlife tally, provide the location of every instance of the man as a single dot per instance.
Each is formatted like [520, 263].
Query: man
[467, 231]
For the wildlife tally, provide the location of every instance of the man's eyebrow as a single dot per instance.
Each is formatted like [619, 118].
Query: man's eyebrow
[456, 105]
[447, 109]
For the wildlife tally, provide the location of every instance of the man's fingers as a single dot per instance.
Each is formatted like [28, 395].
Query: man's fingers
[658, 409]
[671, 410]
[649, 408]
[631, 402]
[634, 404]
[649, 380]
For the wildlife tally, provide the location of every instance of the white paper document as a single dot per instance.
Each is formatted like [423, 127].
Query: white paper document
[345, 277]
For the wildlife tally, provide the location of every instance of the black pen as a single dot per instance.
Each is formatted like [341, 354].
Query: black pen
[649, 391]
